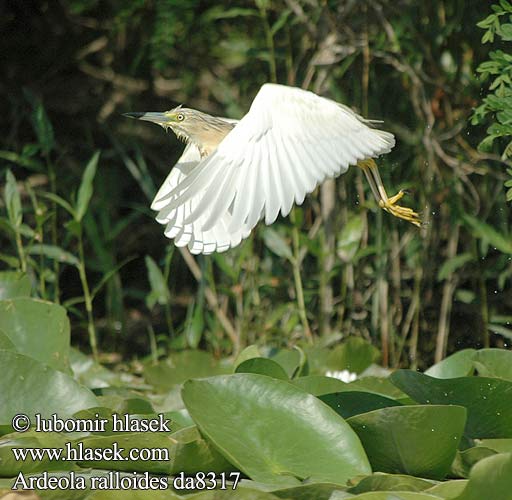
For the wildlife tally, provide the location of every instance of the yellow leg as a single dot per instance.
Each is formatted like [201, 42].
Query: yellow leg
[371, 171]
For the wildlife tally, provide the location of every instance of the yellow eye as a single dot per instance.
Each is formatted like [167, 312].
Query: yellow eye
[180, 117]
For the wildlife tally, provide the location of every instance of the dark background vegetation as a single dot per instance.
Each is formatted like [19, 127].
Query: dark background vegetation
[69, 69]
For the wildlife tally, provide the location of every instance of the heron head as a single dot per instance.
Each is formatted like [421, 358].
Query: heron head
[182, 121]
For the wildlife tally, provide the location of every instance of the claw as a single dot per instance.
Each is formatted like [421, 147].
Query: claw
[371, 171]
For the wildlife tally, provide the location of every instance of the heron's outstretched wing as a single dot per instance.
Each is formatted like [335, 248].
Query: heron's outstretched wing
[215, 239]
[288, 143]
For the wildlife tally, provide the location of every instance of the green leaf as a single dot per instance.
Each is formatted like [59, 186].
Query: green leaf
[253, 420]
[350, 403]
[490, 478]
[451, 265]
[466, 459]
[55, 253]
[263, 366]
[498, 445]
[181, 366]
[193, 454]
[494, 363]
[391, 482]
[396, 495]
[487, 400]
[319, 385]
[38, 329]
[27, 386]
[41, 124]
[489, 234]
[448, 489]
[458, 364]
[251, 351]
[277, 244]
[354, 355]
[505, 32]
[350, 238]
[31, 439]
[415, 440]
[13, 200]
[61, 202]
[6, 343]
[14, 284]
[290, 360]
[159, 290]
[23, 161]
[86, 187]
[89, 373]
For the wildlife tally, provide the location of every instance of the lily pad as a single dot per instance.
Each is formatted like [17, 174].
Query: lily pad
[319, 384]
[494, 363]
[263, 366]
[38, 329]
[414, 440]
[180, 367]
[490, 479]
[488, 400]
[350, 403]
[391, 482]
[30, 387]
[14, 284]
[274, 432]
[459, 364]
[354, 355]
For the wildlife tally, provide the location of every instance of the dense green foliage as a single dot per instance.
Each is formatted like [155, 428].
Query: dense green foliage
[244, 351]
[87, 238]
[284, 420]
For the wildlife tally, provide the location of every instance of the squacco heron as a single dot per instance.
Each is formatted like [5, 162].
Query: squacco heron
[234, 173]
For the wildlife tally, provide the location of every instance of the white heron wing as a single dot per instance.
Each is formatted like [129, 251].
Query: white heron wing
[218, 238]
[287, 144]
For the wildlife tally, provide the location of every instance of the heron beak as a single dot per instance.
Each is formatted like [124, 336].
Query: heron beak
[159, 118]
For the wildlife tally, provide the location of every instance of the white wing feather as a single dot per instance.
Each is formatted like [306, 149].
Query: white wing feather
[283, 148]
[218, 238]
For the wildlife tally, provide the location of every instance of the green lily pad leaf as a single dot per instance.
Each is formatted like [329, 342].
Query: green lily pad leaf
[263, 366]
[396, 495]
[391, 482]
[14, 284]
[251, 351]
[184, 451]
[30, 387]
[180, 367]
[494, 363]
[448, 489]
[459, 364]
[319, 384]
[157, 444]
[354, 355]
[252, 419]
[38, 329]
[490, 478]
[376, 385]
[350, 403]
[179, 419]
[90, 373]
[11, 467]
[464, 460]
[241, 493]
[290, 360]
[316, 491]
[498, 445]
[6, 343]
[413, 440]
[194, 454]
[488, 400]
